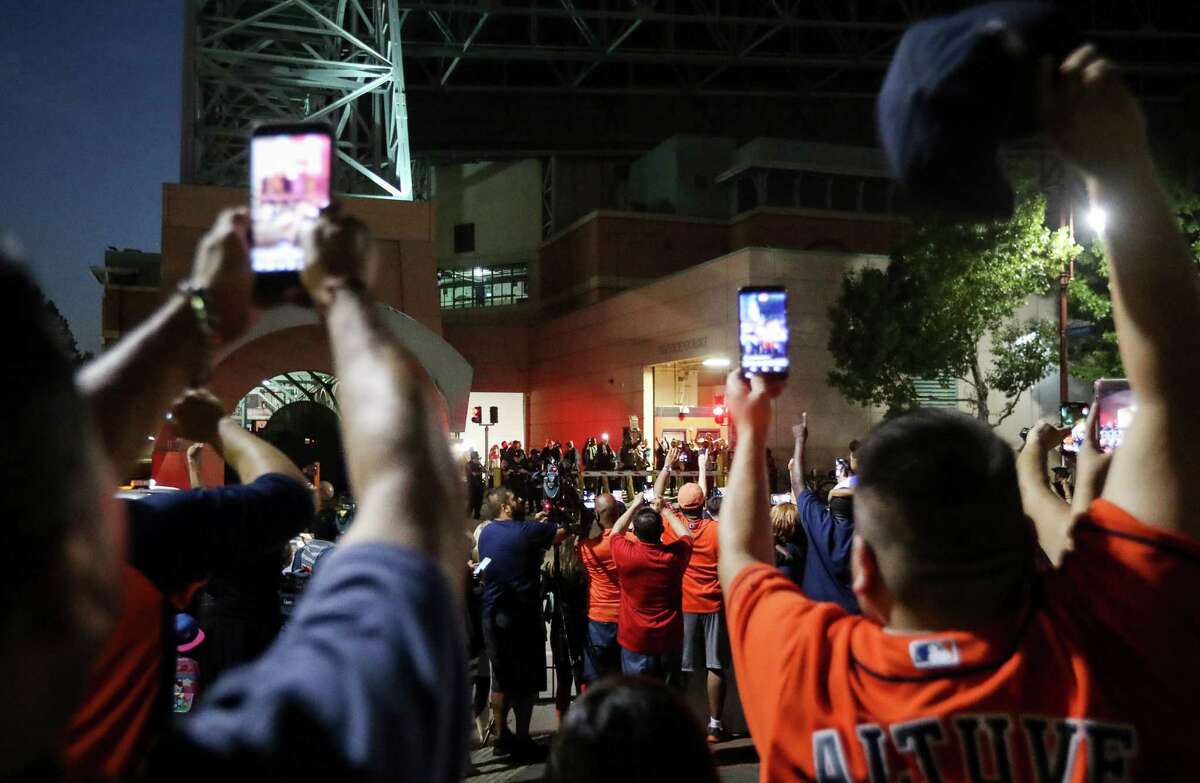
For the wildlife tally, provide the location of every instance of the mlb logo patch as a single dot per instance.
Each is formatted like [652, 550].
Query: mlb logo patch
[934, 653]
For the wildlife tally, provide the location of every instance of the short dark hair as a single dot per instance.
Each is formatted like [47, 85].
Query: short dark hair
[493, 499]
[648, 525]
[44, 431]
[937, 499]
[630, 729]
[713, 506]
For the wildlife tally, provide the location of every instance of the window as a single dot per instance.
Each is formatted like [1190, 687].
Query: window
[844, 193]
[812, 192]
[875, 195]
[935, 393]
[483, 286]
[464, 238]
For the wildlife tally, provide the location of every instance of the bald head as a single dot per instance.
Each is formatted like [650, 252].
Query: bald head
[607, 510]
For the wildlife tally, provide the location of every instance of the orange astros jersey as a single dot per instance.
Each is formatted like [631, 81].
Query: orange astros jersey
[1100, 683]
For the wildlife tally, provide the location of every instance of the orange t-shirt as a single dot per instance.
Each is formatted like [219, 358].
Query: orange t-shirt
[701, 587]
[604, 587]
[1100, 683]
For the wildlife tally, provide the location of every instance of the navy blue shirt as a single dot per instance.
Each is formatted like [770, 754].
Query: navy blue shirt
[513, 578]
[367, 683]
[176, 538]
[827, 556]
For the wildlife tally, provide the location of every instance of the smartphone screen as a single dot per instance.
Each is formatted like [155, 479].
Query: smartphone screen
[290, 171]
[648, 495]
[1115, 409]
[763, 330]
[1074, 415]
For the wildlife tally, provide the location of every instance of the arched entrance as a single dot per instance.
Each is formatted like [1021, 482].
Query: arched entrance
[290, 337]
[308, 433]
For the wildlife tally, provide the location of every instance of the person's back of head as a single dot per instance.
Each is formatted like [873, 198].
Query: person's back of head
[648, 526]
[493, 501]
[783, 522]
[608, 510]
[60, 592]
[938, 504]
[631, 730]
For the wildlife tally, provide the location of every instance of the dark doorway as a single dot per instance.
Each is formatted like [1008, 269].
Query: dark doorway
[308, 432]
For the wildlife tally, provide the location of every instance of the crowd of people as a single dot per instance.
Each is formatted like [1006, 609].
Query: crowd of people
[941, 613]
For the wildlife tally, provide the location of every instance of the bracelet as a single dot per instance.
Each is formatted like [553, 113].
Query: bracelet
[197, 299]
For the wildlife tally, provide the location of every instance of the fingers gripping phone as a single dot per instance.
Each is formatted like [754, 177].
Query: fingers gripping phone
[763, 331]
[291, 177]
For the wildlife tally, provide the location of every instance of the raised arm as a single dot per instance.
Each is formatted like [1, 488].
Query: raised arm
[704, 470]
[397, 454]
[130, 386]
[193, 465]
[745, 529]
[199, 416]
[1097, 125]
[1050, 515]
[660, 483]
[796, 468]
[621, 526]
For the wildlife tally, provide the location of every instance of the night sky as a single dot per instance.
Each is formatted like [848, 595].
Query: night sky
[90, 98]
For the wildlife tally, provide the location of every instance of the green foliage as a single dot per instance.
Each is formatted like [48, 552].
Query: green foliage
[947, 287]
[62, 331]
[1096, 355]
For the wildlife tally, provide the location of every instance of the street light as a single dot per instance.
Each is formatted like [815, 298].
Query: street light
[1097, 218]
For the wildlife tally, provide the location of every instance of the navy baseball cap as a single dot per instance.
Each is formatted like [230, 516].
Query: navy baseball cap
[958, 88]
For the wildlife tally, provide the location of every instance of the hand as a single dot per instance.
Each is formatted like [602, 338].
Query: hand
[672, 457]
[800, 431]
[222, 268]
[749, 401]
[335, 255]
[196, 415]
[1046, 435]
[1090, 114]
[1091, 465]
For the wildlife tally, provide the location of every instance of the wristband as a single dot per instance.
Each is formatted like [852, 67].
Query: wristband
[197, 300]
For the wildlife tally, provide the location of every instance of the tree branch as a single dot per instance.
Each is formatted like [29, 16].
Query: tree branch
[1008, 410]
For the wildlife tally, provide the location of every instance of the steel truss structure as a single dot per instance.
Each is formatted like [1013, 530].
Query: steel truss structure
[784, 48]
[490, 79]
[334, 60]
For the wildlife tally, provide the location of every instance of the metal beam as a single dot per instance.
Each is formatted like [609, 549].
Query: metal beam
[465, 46]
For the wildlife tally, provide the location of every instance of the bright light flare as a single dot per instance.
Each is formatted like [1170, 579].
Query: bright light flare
[1097, 218]
[716, 361]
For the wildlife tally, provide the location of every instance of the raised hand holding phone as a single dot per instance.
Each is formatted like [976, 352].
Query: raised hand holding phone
[291, 181]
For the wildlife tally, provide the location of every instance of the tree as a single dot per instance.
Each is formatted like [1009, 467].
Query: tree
[62, 330]
[1095, 355]
[948, 287]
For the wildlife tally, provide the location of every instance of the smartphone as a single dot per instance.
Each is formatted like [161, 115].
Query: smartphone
[1074, 415]
[291, 176]
[1115, 409]
[649, 495]
[763, 331]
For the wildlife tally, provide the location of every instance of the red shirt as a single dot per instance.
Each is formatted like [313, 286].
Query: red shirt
[604, 586]
[1100, 682]
[701, 587]
[651, 617]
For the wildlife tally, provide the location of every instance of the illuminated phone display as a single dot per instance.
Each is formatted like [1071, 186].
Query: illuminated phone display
[763, 330]
[289, 186]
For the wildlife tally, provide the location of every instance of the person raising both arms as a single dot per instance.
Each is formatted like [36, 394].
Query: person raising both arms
[968, 664]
